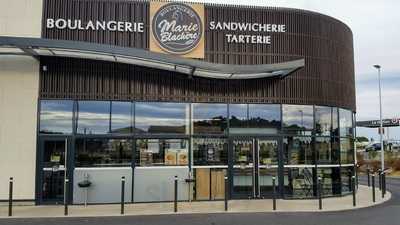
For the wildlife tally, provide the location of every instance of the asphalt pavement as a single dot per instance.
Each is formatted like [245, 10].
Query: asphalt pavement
[387, 213]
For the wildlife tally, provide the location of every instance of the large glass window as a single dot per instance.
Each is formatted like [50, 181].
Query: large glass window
[300, 182]
[298, 119]
[238, 114]
[298, 150]
[346, 174]
[103, 152]
[93, 117]
[330, 179]
[210, 151]
[335, 121]
[327, 149]
[162, 152]
[209, 118]
[121, 117]
[323, 120]
[161, 117]
[346, 151]
[346, 123]
[268, 152]
[56, 116]
[264, 118]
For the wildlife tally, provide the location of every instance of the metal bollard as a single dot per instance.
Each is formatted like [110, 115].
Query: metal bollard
[122, 195]
[384, 183]
[319, 192]
[368, 178]
[176, 194]
[380, 179]
[10, 196]
[66, 197]
[357, 178]
[226, 193]
[354, 189]
[373, 187]
[273, 193]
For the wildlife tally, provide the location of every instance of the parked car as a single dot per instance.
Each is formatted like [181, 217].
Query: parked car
[373, 147]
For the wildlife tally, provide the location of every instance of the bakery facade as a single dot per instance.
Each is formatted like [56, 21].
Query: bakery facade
[97, 90]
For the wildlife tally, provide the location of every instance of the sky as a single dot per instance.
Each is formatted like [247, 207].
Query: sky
[376, 31]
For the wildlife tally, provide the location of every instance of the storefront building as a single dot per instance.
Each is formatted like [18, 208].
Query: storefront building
[147, 90]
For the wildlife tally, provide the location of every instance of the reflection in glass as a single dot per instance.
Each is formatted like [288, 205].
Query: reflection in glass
[335, 121]
[265, 181]
[330, 179]
[93, 117]
[56, 116]
[346, 151]
[238, 118]
[103, 152]
[243, 161]
[298, 119]
[162, 152]
[161, 117]
[264, 118]
[121, 117]
[243, 152]
[323, 120]
[268, 152]
[54, 154]
[298, 150]
[209, 118]
[346, 174]
[210, 151]
[300, 183]
[345, 122]
[327, 150]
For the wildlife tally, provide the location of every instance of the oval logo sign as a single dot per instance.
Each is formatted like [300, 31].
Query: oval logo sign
[177, 28]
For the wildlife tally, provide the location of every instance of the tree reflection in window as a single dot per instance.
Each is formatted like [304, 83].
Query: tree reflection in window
[209, 118]
[298, 119]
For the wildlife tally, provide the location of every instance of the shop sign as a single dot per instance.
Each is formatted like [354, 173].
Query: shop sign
[247, 33]
[94, 25]
[177, 28]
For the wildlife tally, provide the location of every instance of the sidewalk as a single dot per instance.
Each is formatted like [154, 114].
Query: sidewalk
[364, 199]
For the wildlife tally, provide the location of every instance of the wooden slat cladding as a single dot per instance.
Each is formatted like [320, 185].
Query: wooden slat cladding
[325, 43]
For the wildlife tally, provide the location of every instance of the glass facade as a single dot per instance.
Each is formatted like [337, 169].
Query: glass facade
[56, 117]
[93, 117]
[162, 152]
[103, 152]
[250, 143]
[161, 118]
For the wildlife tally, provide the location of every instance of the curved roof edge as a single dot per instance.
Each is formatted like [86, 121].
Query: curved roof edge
[85, 50]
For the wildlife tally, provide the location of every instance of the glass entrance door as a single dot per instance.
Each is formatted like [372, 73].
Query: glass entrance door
[243, 171]
[53, 164]
[255, 163]
[267, 166]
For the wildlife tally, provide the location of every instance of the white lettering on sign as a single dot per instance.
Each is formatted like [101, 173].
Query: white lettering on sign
[120, 26]
[247, 27]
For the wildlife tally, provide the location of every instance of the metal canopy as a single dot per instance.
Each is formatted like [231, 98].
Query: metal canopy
[395, 122]
[85, 50]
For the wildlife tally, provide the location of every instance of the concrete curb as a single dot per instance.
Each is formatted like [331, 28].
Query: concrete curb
[235, 206]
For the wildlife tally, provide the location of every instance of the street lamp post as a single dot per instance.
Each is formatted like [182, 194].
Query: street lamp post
[378, 67]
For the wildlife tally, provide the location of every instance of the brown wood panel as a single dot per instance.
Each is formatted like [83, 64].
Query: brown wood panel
[217, 184]
[324, 42]
[203, 184]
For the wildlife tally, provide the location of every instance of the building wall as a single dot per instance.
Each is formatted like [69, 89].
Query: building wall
[18, 100]
[325, 43]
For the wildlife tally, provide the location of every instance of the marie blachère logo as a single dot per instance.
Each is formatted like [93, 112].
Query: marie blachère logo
[177, 28]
